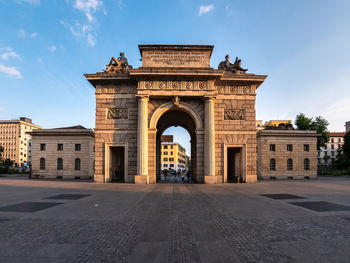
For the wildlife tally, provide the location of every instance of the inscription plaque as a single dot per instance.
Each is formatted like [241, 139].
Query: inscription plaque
[165, 56]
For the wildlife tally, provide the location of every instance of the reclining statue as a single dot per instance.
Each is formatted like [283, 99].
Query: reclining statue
[234, 68]
[119, 64]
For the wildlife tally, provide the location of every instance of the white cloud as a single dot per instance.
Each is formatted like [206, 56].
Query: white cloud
[21, 33]
[34, 2]
[33, 35]
[52, 48]
[11, 71]
[91, 39]
[8, 53]
[88, 6]
[203, 9]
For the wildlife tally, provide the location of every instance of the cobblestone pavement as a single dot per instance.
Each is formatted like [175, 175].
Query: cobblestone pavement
[175, 222]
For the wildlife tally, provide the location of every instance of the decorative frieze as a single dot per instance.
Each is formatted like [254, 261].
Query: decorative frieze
[117, 113]
[176, 85]
[236, 90]
[234, 114]
[107, 90]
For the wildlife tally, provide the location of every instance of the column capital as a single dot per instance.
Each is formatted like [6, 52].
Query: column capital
[142, 97]
[209, 98]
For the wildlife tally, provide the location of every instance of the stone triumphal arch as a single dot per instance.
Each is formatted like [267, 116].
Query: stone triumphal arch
[175, 87]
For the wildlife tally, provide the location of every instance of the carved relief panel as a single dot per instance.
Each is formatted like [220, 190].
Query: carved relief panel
[117, 113]
[234, 114]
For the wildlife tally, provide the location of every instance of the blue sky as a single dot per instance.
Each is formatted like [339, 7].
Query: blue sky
[47, 45]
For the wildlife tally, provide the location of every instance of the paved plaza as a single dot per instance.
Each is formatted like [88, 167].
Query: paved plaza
[270, 221]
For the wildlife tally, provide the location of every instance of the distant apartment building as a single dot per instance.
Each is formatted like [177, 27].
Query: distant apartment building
[16, 140]
[276, 123]
[259, 125]
[66, 153]
[173, 155]
[347, 126]
[328, 154]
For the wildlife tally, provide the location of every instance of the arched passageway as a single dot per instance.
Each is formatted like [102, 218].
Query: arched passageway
[177, 117]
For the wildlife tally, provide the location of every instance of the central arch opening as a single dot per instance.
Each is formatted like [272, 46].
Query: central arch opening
[175, 117]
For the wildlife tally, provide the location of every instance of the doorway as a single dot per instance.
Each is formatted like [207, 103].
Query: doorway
[117, 169]
[234, 165]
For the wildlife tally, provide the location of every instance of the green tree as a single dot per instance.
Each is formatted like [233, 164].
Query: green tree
[302, 122]
[346, 145]
[319, 125]
[1, 151]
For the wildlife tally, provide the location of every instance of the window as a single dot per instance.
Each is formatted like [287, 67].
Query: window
[171, 153]
[59, 147]
[77, 164]
[306, 148]
[332, 140]
[289, 164]
[77, 147]
[332, 153]
[272, 164]
[42, 164]
[165, 159]
[59, 164]
[165, 153]
[165, 147]
[165, 165]
[272, 147]
[332, 146]
[306, 164]
[171, 159]
[289, 147]
[171, 165]
[42, 147]
[171, 147]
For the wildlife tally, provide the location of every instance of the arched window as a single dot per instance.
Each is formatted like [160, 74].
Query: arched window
[289, 164]
[42, 163]
[306, 164]
[272, 165]
[59, 164]
[77, 164]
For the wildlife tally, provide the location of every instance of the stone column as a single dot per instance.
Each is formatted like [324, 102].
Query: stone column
[142, 141]
[209, 142]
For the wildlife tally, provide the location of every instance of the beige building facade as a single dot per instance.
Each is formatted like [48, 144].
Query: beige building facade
[173, 156]
[63, 153]
[16, 140]
[286, 154]
[176, 85]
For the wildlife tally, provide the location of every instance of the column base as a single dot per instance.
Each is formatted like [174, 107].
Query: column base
[251, 178]
[141, 179]
[212, 179]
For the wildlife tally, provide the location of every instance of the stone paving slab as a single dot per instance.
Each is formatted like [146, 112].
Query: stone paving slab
[175, 223]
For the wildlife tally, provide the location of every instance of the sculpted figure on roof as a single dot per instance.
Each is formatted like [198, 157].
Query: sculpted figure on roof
[234, 68]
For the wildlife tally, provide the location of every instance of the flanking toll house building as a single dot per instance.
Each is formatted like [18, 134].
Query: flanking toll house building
[176, 86]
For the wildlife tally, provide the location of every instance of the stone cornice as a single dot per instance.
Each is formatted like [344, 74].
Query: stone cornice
[287, 133]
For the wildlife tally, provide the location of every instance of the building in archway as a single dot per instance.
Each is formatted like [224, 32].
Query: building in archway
[175, 86]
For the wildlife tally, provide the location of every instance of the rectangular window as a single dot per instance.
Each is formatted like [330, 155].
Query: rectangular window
[289, 147]
[165, 159]
[306, 148]
[171, 159]
[165, 147]
[42, 147]
[171, 147]
[272, 147]
[77, 147]
[332, 146]
[332, 153]
[60, 147]
[171, 165]
[332, 140]
[171, 153]
[165, 153]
